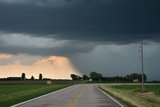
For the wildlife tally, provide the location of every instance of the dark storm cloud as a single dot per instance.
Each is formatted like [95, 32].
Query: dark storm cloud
[86, 31]
[20, 43]
[62, 51]
[116, 21]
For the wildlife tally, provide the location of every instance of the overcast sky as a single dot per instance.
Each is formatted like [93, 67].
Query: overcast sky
[100, 35]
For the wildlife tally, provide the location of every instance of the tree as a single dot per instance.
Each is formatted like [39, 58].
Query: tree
[95, 76]
[75, 77]
[23, 76]
[132, 77]
[40, 76]
[140, 77]
[32, 78]
[85, 77]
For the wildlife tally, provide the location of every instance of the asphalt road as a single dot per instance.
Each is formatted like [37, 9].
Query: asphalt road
[76, 96]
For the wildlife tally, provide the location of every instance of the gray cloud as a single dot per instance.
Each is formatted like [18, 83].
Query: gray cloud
[113, 60]
[94, 34]
[117, 21]
[20, 43]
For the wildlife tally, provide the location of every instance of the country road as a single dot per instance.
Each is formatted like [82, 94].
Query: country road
[75, 96]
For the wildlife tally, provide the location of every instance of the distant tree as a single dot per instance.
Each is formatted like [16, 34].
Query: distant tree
[140, 77]
[40, 76]
[118, 79]
[75, 77]
[95, 76]
[23, 76]
[125, 79]
[128, 78]
[32, 78]
[132, 77]
[85, 77]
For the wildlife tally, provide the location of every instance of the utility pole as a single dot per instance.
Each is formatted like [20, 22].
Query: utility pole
[141, 52]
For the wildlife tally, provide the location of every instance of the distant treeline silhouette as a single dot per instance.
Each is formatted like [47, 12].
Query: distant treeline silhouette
[97, 77]
[23, 77]
[93, 77]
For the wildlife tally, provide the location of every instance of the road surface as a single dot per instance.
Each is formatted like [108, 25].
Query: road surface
[85, 95]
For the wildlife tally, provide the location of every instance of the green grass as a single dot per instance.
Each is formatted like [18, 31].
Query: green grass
[137, 88]
[126, 103]
[12, 94]
[132, 96]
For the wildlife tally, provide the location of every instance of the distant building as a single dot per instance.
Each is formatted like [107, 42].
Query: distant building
[47, 79]
[49, 82]
[90, 79]
[136, 81]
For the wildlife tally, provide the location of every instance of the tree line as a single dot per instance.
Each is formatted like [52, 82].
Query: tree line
[94, 76]
[23, 76]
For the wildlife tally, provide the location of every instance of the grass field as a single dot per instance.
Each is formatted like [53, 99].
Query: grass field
[131, 95]
[12, 94]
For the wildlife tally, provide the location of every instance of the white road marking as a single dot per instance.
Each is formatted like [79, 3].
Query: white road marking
[111, 97]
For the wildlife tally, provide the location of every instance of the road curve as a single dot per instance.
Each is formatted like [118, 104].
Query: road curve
[86, 95]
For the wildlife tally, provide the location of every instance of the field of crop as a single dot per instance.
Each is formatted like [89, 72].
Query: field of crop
[132, 96]
[12, 94]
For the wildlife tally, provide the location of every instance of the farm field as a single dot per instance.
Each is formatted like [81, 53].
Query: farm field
[12, 94]
[131, 95]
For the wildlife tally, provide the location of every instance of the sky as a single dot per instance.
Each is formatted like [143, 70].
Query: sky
[60, 37]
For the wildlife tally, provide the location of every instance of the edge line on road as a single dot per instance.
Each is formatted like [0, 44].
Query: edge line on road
[111, 97]
[18, 104]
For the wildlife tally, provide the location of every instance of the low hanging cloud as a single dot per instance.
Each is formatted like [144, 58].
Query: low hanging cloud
[20, 43]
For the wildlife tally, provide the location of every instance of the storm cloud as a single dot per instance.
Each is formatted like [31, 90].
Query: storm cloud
[117, 21]
[101, 35]
[19, 43]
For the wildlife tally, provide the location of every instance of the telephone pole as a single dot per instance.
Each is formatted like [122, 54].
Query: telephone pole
[141, 51]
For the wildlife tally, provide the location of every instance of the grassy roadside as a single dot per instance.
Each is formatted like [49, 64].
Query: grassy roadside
[12, 94]
[131, 96]
[125, 103]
